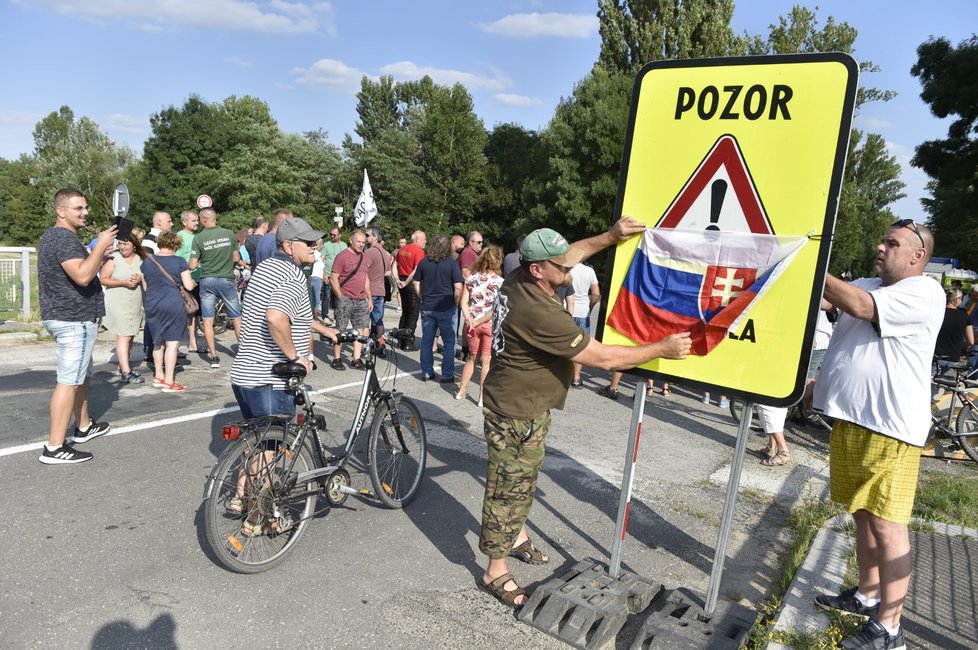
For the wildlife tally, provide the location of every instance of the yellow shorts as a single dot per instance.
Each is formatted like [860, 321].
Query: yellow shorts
[872, 472]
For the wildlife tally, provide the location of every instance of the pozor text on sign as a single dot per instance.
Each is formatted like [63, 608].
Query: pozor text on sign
[733, 102]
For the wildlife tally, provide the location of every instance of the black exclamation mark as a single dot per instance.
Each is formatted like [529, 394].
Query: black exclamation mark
[719, 190]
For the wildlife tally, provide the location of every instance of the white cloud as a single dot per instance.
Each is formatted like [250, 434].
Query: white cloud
[517, 100]
[332, 74]
[276, 17]
[406, 70]
[20, 118]
[549, 24]
[127, 123]
[237, 60]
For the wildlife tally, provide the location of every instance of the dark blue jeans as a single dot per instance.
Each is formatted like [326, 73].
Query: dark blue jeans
[444, 322]
[256, 401]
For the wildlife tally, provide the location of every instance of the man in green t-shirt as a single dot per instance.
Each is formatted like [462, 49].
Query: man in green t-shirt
[329, 250]
[535, 344]
[215, 253]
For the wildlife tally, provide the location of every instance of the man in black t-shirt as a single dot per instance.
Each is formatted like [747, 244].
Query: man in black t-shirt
[71, 304]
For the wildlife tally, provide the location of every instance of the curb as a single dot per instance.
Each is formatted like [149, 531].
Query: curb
[18, 338]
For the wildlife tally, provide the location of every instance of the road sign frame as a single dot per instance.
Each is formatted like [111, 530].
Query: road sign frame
[823, 119]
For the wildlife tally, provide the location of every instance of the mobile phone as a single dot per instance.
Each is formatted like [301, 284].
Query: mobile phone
[125, 227]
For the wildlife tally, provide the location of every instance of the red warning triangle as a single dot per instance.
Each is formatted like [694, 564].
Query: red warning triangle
[706, 201]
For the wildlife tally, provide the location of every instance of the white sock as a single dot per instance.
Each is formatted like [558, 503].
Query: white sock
[50, 448]
[866, 602]
[892, 631]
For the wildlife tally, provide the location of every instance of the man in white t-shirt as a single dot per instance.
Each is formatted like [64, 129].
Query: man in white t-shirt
[587, 293]
[875, 381]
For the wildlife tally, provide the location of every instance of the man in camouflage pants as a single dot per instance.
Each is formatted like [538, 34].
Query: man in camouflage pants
[535, 343]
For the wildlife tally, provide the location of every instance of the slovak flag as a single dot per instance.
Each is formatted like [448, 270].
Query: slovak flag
[698, 281]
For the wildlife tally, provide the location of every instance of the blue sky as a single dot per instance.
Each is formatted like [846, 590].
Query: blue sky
[119, 61]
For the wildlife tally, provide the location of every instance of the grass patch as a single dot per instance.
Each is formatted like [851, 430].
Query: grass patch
[947, 499]
[804, 522]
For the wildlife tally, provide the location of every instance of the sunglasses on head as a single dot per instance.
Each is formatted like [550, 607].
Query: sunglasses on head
[909, 223]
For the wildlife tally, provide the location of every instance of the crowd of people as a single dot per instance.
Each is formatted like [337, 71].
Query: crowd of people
[523, 318]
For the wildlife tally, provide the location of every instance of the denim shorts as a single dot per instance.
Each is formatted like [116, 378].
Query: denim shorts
[75, 341]
[213, 288]
[256, 401]
[583, 322]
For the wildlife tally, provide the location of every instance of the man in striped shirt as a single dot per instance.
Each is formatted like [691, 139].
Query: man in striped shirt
[276, 321]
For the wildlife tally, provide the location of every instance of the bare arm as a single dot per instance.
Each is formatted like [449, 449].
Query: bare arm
[457, 290]
[852, 300]
[334, 281]
[612, 357]
[623, 229]
[569, 300]
[83, 270]
[188, 280]
[194, 263]
[280, 328]
[595, 296]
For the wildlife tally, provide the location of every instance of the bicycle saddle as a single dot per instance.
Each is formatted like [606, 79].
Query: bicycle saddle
[286, 369]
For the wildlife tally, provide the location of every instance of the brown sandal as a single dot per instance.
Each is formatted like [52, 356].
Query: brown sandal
[497, 590]
[527, 552]
[777, 460]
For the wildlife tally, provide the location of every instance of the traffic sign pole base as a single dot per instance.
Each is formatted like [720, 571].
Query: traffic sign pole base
[586, 607]
[676, 620]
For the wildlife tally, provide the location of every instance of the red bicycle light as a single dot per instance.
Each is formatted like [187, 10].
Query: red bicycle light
[300, 418]
[231, 431]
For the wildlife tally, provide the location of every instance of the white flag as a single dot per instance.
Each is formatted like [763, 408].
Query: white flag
[366, 208]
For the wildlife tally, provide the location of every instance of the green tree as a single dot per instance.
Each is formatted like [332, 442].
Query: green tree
[636, 32]
[947, 75]
[516, 158]
[25, 211]
[872, 176]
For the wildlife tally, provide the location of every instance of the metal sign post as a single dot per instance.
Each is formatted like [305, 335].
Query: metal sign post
[726, 522]
[628, 477]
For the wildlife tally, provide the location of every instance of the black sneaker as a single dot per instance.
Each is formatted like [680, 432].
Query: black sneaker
[94, 430]
[848, 603]
[63, 455]
[215, 362]
[874, 636]
[609, 392]
[132, 377]
[337, 364]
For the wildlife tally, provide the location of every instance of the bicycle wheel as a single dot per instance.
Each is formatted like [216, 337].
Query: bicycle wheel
[253, 517]
[967, 422]
[397, 452]
[736, 410]
[220, 319]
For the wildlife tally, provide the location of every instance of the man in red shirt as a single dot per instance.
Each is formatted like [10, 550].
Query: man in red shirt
[351, 285]
[407, 262]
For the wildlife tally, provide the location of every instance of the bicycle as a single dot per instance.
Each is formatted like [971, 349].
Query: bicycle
[263, 490]
[964, 436]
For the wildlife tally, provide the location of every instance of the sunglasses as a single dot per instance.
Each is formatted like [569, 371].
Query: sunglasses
[905, 223]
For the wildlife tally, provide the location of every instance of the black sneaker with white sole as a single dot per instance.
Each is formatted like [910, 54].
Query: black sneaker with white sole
[874, 636]
[94, 430]
[848, 603]
[63, 455]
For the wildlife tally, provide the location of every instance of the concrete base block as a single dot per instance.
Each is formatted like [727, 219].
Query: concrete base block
[676, 620]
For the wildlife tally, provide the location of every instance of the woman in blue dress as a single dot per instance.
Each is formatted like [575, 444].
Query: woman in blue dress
[165, 313]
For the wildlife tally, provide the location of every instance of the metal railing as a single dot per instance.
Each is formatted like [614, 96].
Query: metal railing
[12, 281]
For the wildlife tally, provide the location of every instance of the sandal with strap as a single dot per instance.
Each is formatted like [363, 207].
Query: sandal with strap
[497, 589]
[257, 529]
[527, 552]
[236, 505]
[666, 392]
[777, 460]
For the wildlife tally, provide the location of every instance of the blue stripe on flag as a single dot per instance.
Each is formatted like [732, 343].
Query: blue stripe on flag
[648, 281]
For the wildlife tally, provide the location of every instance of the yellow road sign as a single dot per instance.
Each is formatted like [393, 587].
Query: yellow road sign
[737, 163]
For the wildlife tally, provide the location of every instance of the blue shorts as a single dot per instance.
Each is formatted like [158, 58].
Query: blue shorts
[213, 288]
[256, 401]
[75, 341]
[584, 323]
[377, 311]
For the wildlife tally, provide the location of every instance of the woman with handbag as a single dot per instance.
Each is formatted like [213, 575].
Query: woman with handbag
[166, 278]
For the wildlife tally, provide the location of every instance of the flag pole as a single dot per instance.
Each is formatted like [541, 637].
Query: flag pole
[627, 480]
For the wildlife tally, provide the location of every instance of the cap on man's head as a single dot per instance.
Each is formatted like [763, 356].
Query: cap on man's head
[296, 228]
[545, 244]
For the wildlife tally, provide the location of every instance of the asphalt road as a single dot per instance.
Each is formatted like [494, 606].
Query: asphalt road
[110, 553]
